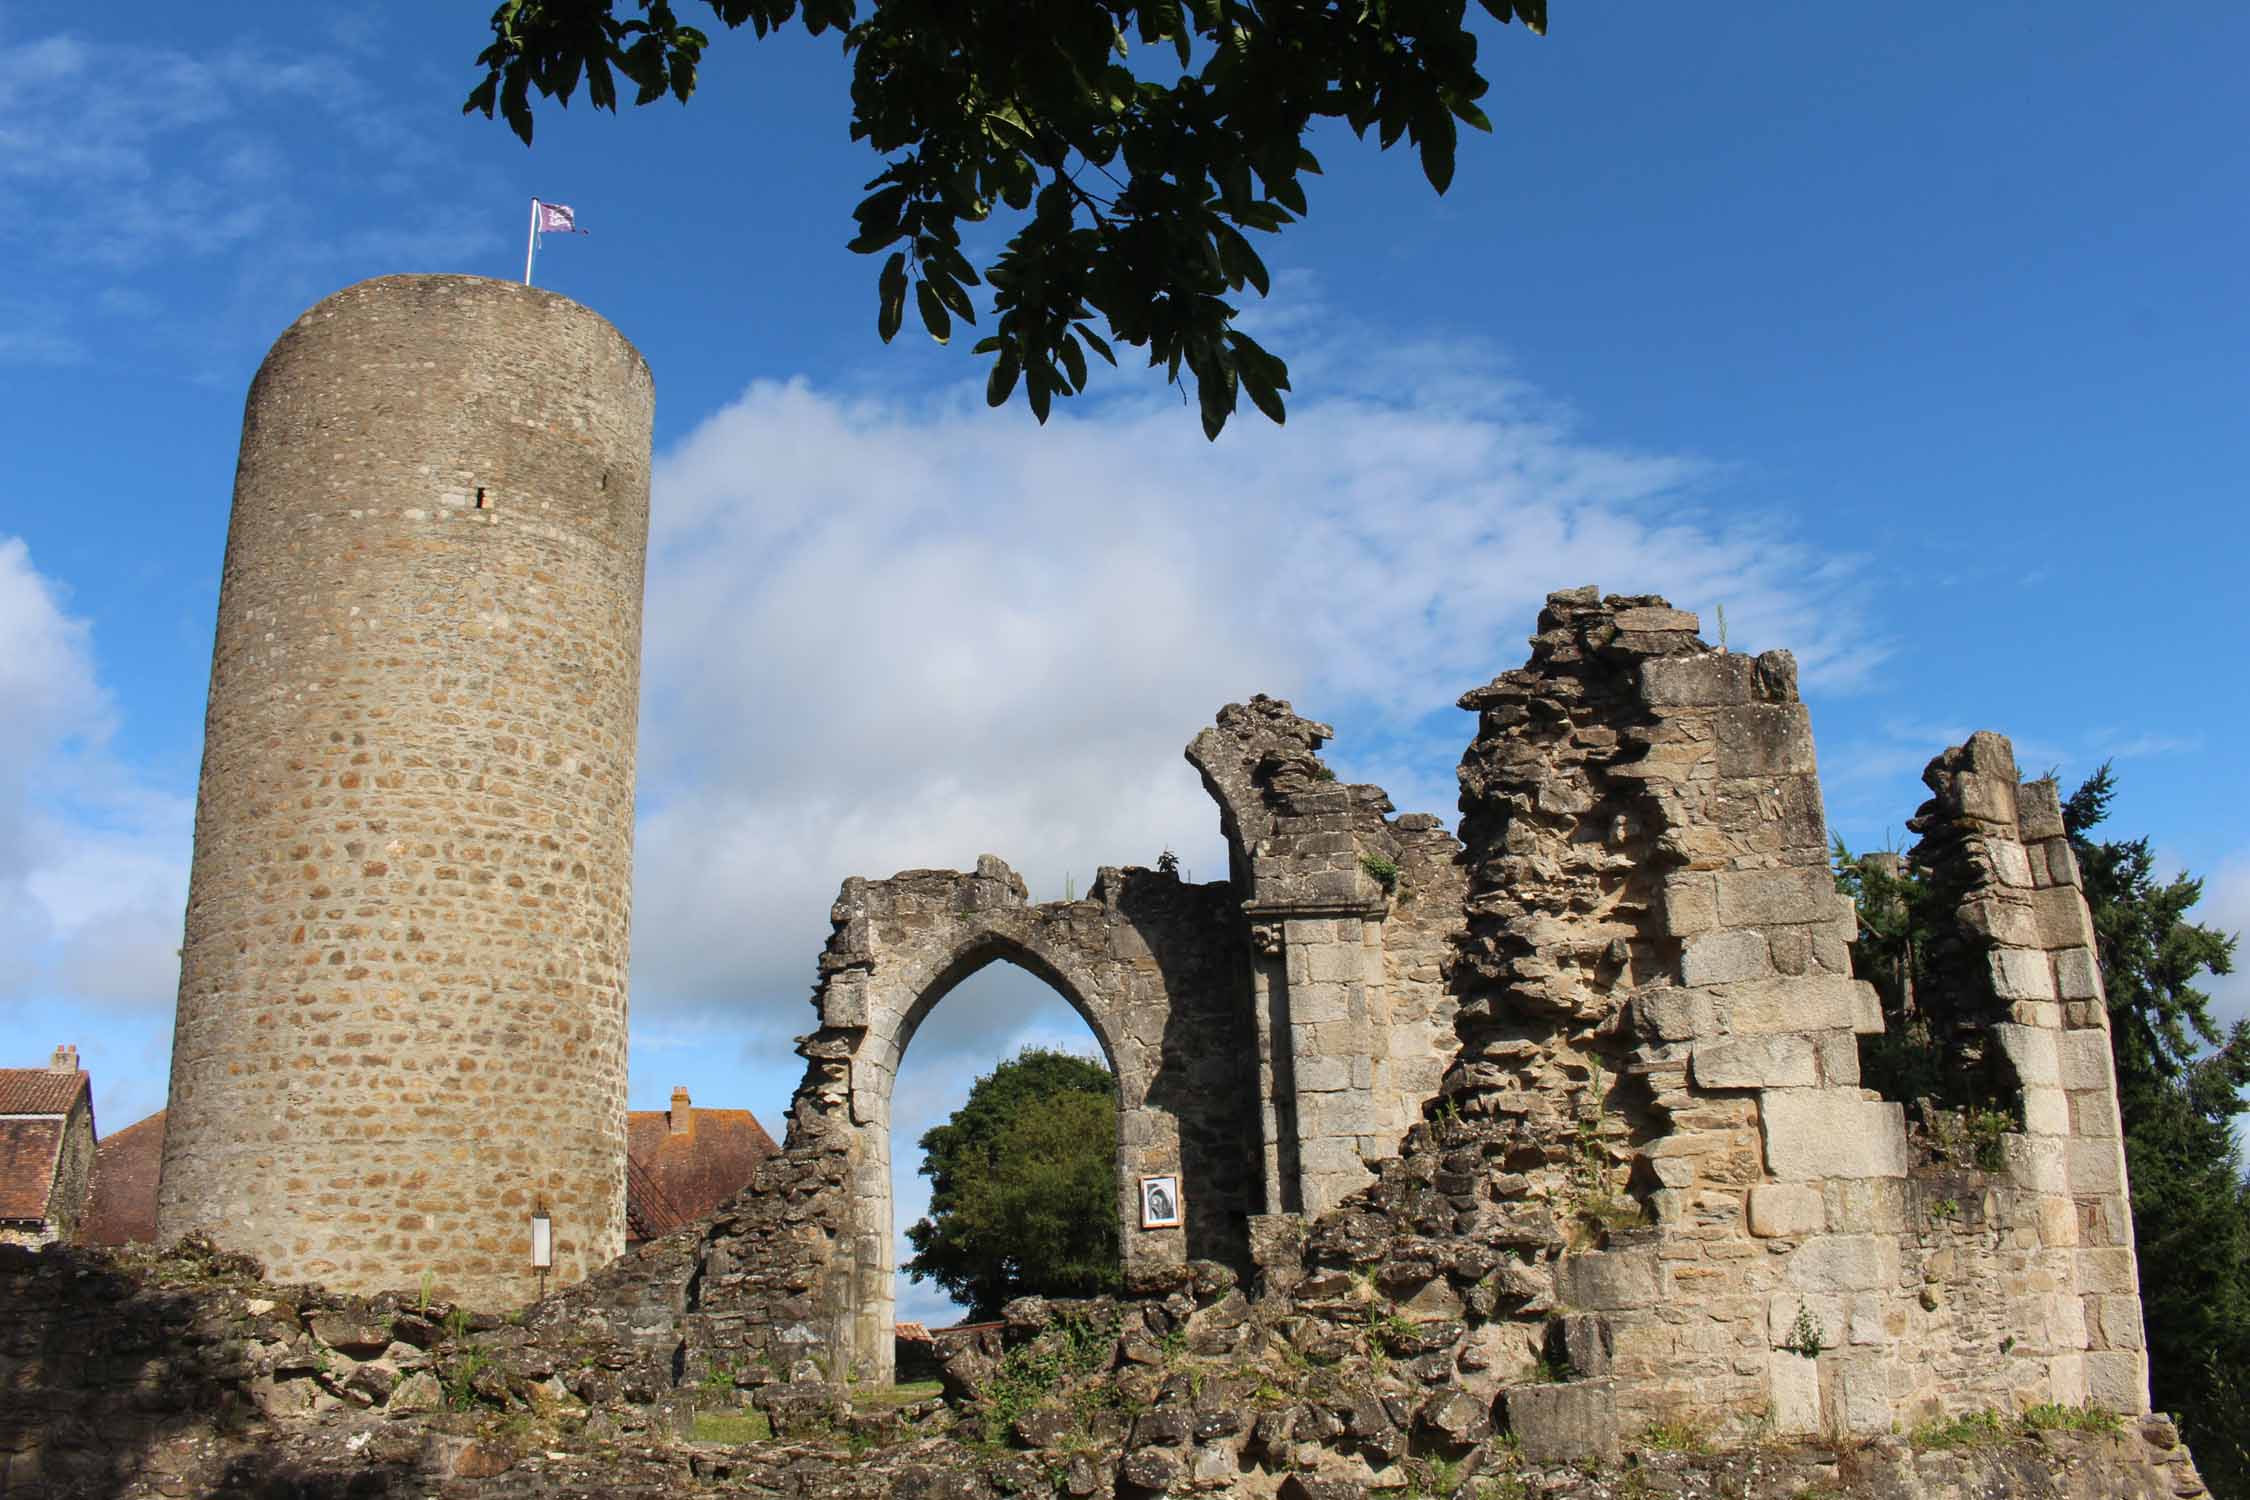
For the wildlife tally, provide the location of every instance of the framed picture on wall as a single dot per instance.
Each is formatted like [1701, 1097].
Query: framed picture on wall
[1160, 1203]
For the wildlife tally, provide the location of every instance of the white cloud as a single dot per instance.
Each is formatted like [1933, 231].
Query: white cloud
[93, 865]
[123, 162]
[884, 634]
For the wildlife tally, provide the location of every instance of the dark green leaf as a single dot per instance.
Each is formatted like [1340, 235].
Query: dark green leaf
[1002, 381]
[933, 311]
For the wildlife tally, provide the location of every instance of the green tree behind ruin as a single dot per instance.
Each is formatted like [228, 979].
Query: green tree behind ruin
[1023, 1186]
[2180, 1084]
[1132, 143]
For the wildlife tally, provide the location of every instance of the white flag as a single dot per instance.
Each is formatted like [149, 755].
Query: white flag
[556, 218]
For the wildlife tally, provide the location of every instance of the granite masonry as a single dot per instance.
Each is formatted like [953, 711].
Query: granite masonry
[401, 1024]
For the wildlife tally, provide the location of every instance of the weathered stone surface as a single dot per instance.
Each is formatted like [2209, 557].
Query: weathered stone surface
[1564, 1423]
[403, 767]
[1783, 1209]
[1776, 1061]
[1820, 1133]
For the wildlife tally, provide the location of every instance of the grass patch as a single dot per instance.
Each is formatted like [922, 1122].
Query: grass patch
[1969, 1430]
[1676, 1437]
[2053, 1416]
[733, 1428]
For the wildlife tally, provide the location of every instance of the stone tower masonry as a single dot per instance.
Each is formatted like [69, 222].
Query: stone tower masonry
[401, 1025]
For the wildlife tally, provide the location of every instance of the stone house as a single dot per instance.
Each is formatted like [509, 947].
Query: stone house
[46, 1150]
[682, 1163]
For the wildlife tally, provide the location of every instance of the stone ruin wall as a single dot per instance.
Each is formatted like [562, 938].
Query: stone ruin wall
[1565, 1119]
[805, 1266]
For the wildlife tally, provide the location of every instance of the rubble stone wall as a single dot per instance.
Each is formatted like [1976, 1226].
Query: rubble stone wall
[1653, 1167]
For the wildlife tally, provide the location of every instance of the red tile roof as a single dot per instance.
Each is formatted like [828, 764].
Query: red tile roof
[674, 1177]
[121, 1209]
[29, 1153]
[41, 1091]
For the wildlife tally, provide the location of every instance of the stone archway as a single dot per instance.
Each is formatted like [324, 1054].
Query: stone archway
[1154, 967]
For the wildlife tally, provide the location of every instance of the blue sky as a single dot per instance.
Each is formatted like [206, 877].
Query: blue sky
[1922, 346]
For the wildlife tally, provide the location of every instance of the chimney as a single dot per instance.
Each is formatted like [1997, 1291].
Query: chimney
[683, 1113]
[66, 1059]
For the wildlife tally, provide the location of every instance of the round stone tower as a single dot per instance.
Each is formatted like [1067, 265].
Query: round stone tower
[401, 1026]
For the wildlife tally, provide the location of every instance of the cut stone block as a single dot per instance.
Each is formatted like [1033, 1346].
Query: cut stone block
[843, 1000]
[2119, 1319]
[1560, 1424]
[1610, 1280]
[2005, 919]
[1786, 1209]
[1815, 1133]
[1867, 1013]
[2117, 1380]
[2061, 915]
[1721, 957]
[2108, 1270]
[2039, 810]
[1689, 904]
[2046, 1111]
[2082, 1059]
[2022, 974]
[1792, 1392]
[2077, 975]
[2033, 1051]
[1837, 1263]
[1802, 894]
[2009, 861]
[2097, 1168]
[1812, 1002]
[1669, 1014]
[1704, 679]
[1581, 1342]
[1765, 739]
[1782, 1060]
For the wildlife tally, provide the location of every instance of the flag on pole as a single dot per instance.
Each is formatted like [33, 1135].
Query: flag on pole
[557, 218]
[546, 218]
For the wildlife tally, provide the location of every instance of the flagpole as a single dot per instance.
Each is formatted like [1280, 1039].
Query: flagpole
[531, 242]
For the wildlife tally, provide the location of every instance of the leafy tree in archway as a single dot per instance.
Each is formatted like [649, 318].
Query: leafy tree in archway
[1134, 140]
[1023, 1186]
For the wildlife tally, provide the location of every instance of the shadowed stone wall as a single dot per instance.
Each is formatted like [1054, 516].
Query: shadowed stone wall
[401, 1018]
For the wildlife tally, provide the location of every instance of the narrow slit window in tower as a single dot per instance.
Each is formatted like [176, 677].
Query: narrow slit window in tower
[482, 503]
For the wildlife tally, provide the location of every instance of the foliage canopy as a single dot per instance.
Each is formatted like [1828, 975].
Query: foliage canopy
[1023, 1186]
[1134, 141]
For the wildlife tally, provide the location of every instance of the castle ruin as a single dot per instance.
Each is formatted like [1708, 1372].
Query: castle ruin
[1578, 1093]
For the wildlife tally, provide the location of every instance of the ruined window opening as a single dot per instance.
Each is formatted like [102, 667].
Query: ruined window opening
[482, 503]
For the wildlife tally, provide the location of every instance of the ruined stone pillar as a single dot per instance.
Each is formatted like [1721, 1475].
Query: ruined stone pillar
[401, 1025]
[2000, 847]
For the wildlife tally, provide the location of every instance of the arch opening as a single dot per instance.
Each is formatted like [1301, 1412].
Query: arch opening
[1003, 1029]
